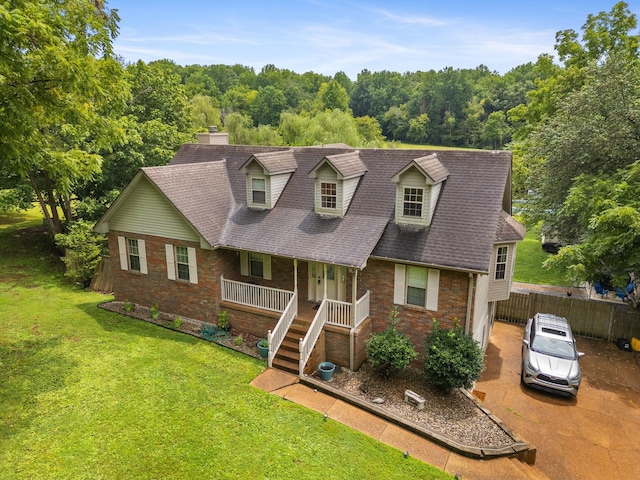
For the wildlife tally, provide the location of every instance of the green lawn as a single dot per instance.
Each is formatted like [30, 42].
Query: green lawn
[529, 260]
[86, 393]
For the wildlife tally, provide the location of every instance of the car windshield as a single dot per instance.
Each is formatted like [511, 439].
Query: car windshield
[553, 346]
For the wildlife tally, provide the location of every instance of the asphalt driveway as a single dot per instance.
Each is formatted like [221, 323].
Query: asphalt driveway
[595, 436]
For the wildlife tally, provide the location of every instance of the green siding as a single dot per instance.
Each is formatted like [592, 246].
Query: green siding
[147, 212]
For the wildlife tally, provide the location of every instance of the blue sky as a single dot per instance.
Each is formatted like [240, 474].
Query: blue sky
[326, 36]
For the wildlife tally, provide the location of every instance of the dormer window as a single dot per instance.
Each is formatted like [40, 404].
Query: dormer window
[413, 202]
[336, 179]
[417, 191]
[329, 195]
[267, 174]
[259, 190]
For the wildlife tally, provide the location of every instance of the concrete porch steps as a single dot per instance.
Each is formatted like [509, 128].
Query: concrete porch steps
[288, 356]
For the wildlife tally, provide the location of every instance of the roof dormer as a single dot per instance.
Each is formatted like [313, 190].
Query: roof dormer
[417, 189]
[266, 176]
[336, 179]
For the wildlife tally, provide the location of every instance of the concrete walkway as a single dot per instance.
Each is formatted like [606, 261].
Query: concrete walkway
[289, 388]
[596, 436]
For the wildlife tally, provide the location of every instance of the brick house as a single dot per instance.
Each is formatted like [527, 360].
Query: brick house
[313, 246]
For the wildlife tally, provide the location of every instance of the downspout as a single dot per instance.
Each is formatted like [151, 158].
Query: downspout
[467, 322]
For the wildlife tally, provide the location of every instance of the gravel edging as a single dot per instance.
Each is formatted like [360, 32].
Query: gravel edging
[516, 448]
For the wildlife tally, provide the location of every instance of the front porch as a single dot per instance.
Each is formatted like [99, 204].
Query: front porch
[299, 323]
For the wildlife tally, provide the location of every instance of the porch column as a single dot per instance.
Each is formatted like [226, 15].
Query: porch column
[354, 301]
[295, 274]
[354, 297]
[324, 271]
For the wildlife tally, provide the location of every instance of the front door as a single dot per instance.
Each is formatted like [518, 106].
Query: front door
[335, 282]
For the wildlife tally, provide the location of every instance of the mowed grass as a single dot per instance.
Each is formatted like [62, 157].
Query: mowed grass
[86, 393]
[419, 146]
[529, 262]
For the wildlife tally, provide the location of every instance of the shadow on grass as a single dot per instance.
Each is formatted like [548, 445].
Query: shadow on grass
[29, 368]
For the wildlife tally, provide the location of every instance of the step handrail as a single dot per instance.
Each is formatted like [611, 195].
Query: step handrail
[309, 341]
[276, 337]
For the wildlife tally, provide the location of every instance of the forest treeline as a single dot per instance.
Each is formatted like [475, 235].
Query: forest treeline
[77, 122]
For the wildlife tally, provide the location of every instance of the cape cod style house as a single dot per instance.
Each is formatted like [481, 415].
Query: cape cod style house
[314, 246]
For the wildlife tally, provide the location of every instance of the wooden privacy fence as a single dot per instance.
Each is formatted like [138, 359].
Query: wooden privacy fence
[588, 318]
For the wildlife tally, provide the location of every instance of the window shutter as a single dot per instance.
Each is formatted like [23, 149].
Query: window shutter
[244, 263]
[142, 252]
[266, 273]
[193, 265]
[433, 287]
[399, 285]
[171, 266]
[122, 249]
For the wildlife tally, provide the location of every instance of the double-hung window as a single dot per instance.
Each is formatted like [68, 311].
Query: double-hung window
[416, 286]
[259, 191]
[329, 195]
[255, 264]
[501, 263]
[181, 263]
[133, 254]
[412, 202]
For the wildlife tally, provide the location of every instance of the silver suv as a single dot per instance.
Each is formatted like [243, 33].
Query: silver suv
[549, 355]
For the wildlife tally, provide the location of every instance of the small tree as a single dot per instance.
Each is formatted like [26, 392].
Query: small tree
[452, 358]
[83, 250]
[390, 351]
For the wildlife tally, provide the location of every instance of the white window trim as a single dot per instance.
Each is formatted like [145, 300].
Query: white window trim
[172, 266]
[124, 254]
[250, 201]
[400, 287]
[244, 265]
[425, 216]
[505, 263]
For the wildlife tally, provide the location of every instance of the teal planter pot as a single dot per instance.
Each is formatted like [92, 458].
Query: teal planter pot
[263, 348]
[326, 370]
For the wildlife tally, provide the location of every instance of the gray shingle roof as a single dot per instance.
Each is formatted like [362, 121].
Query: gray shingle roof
[432, 167]
[348, 165]
[276, 162]
[467, 221]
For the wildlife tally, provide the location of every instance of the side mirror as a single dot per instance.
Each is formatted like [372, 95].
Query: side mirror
[526, 343]
[580, 354]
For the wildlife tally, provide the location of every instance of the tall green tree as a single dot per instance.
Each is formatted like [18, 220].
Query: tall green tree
[60, 89]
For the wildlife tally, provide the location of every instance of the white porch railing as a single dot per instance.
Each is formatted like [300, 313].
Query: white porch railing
[362, 308]
[339, 313]
[309, 341]
[276, 336]
[256, 296]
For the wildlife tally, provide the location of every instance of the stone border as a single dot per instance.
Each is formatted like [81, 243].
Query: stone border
[518, 448]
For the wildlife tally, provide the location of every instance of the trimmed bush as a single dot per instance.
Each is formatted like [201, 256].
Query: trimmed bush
[452, 359]
[390, 352]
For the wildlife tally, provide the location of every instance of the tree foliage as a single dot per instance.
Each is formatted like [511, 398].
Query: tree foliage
[60, 88]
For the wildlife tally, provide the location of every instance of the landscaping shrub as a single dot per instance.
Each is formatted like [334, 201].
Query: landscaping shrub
[390, 352]
[452, 359]
[84, 249]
